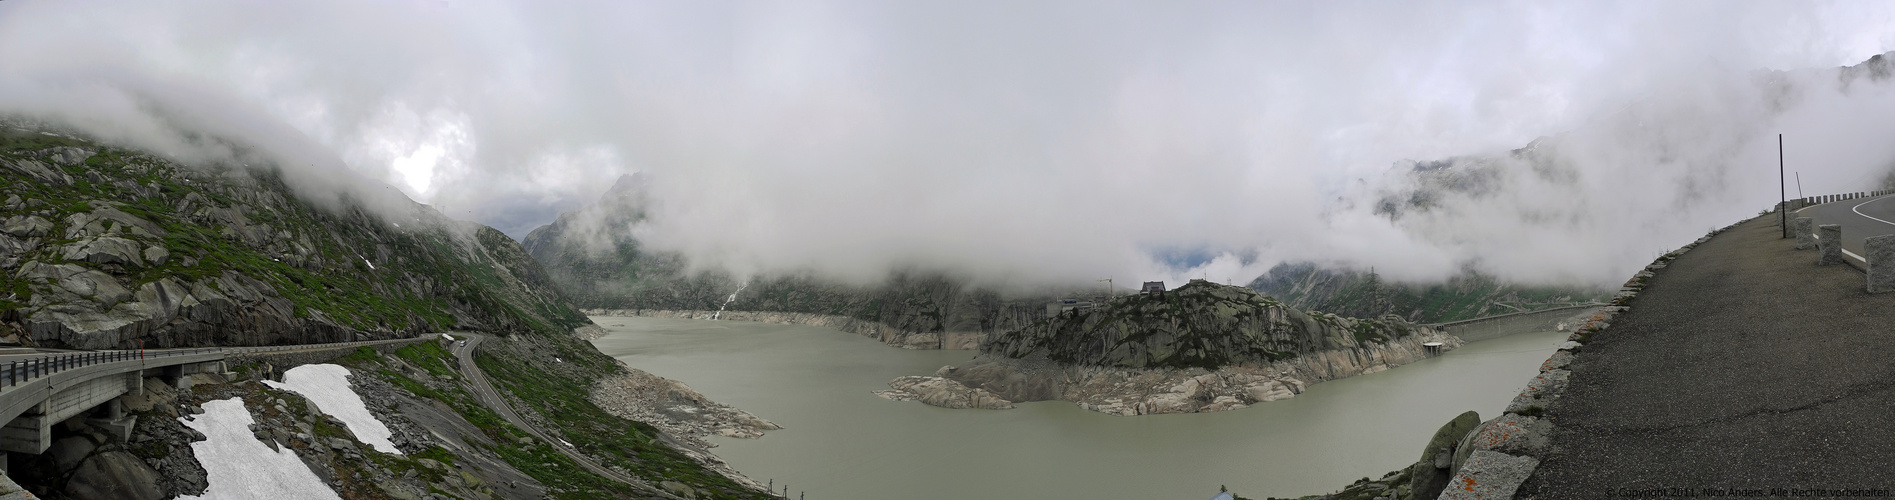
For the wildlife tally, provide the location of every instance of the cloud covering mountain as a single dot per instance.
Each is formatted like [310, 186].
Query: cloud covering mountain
[1016, 142]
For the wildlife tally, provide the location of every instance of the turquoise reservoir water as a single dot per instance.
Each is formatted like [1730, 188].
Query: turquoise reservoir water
[840, 442]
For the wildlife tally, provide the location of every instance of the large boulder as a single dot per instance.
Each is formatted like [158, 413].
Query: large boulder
[11, 249]
[128, 223]
[1490, 475]
[38, 171]
[92, 284]
[1430, 474]
[107, 250]
[68, 451]
[66, 156]
[114, 475]
[28, 226]
[1510, 434]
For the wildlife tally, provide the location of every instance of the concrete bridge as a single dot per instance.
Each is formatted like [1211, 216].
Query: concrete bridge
[38, 389]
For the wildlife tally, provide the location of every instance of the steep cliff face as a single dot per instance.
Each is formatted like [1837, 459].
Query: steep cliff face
[591, 256]
[109, 248]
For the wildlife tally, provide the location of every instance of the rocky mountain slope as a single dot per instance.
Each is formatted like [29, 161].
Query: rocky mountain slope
[1364, 294]
[592, 256]
[111, 248]
[1200, 347]
[104, 247]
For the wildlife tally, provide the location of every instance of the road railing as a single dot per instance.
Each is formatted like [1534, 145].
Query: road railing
[1809, 201]
[22, 371]
[14, 373]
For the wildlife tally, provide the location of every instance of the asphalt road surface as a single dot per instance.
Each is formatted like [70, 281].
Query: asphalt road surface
[1860, 218]
[486, 393]
[1741, 365]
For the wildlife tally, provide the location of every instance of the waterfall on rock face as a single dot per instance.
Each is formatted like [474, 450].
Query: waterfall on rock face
[733, 298]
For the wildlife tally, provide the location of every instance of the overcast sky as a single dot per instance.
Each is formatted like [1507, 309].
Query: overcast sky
[1020, 141]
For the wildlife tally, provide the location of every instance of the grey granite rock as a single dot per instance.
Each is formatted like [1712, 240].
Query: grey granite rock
[106, 250]
[1557, 361]
[1539, 391]
[157, 255]
[1805, 231]
[1829, 245]
[114, 475]
[1489, 475]
[28, 226]
[1431, 473]
[1881, 257]
[38, 171]
[1511, 434]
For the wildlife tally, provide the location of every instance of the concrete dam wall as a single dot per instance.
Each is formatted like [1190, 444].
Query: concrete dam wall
[1507, 324]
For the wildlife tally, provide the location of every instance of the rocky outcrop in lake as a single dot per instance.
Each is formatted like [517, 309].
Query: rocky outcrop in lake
[1202, 347]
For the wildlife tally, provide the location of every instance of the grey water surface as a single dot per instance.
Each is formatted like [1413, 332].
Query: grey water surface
[841, 442]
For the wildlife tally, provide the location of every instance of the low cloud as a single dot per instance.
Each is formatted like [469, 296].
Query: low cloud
[1020, 143]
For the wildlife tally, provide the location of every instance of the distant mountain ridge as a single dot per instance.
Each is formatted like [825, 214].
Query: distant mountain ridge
[592, 256]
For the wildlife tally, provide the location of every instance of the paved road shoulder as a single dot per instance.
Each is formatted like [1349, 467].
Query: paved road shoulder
[1742, 364]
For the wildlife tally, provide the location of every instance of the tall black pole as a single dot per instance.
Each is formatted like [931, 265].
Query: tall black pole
[1783, 193]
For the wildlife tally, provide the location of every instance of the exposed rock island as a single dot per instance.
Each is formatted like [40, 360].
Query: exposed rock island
[1201, 347]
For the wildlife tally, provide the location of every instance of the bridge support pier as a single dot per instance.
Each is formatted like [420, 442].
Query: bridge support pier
[31, 432]
[1880, 252]
[180, 376]
[111, 418]
[1803, 227]
[1829, 244]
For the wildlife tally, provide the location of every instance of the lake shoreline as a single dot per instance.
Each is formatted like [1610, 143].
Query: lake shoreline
[1146, 391]
[841, 442]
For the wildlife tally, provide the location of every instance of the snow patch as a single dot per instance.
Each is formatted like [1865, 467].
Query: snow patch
[328, 386]
[239, 467]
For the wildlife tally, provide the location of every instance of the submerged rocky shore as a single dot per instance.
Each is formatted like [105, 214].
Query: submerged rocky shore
[681, 412]
[1202, 347]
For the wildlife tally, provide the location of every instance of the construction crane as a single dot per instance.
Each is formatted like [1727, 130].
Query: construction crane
[1110, 293]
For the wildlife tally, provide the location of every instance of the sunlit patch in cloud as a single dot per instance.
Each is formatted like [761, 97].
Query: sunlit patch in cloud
[418, 152]
[417, 169]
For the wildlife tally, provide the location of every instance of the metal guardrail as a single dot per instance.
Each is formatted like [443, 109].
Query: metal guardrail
[19, 372]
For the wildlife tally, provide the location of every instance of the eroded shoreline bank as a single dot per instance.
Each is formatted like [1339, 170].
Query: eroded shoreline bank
[992, 382]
